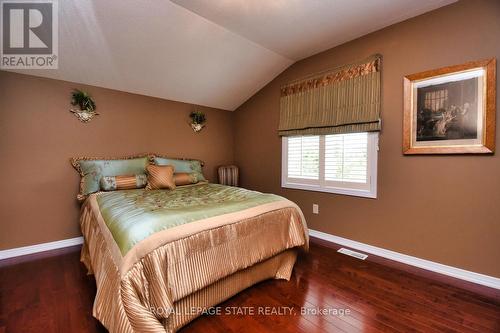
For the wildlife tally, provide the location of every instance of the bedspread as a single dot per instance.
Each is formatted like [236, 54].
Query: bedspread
[150, 249]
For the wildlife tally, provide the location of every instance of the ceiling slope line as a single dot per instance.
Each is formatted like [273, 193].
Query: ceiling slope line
[251, 41]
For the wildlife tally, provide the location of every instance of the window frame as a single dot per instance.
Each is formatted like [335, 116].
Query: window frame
[322, 185]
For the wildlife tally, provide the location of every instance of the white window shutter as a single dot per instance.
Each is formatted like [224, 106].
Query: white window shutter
[346, 157]
[338, 163]
[303, 157]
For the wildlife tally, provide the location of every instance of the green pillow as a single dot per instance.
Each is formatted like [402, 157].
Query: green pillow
[182, 166]
[92, 170]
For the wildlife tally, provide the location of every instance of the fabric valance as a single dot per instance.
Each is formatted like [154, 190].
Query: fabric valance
[341, 100]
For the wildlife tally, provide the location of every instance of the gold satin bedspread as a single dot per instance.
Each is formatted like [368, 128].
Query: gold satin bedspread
[172, 269]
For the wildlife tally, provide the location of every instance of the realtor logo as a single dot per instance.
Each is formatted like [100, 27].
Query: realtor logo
[29, 33]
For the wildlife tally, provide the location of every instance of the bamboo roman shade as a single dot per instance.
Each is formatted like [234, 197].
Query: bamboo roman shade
[341, 100]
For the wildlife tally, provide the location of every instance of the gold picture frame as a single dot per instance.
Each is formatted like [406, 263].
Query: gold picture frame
[451, 110]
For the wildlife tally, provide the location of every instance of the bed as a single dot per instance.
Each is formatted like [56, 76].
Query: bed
[162, 257]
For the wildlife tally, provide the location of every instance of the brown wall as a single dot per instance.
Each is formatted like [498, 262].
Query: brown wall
[441, 208]
[38, 135]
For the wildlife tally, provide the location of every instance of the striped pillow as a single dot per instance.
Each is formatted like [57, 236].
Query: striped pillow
[160, 177]
[185, 178]
[112, 183]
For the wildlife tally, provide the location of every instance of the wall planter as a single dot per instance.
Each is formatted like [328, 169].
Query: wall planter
[86, 106]
[198, 120]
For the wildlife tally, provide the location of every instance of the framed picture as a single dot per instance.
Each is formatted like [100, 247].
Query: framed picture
[451, 110]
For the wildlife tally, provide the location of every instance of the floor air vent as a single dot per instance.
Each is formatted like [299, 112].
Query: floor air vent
[354, 254]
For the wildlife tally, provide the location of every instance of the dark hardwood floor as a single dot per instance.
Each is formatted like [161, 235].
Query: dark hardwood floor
[54, 294]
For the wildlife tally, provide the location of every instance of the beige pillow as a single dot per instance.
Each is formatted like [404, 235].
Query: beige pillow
[160, 177]
[185, 178]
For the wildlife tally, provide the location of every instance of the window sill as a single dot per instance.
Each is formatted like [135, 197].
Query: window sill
[335, 190]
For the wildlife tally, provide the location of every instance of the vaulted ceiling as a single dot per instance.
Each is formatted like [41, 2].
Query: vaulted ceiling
[215, 53]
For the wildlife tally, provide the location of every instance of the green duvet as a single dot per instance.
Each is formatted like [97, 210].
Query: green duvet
[133, 215]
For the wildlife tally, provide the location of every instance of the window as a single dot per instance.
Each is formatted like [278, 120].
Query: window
[436, 100]
[338, 163]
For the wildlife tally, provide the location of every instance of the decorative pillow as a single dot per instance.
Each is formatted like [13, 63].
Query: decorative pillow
[184, 178]
[182, 166]
[112, 183]
[160, 177]
[92, 170]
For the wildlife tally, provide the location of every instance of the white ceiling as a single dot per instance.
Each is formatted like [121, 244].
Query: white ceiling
[212, 53]
[297, 29]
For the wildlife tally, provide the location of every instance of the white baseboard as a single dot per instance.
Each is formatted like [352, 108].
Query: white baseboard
[21, 251]
[458, 273]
